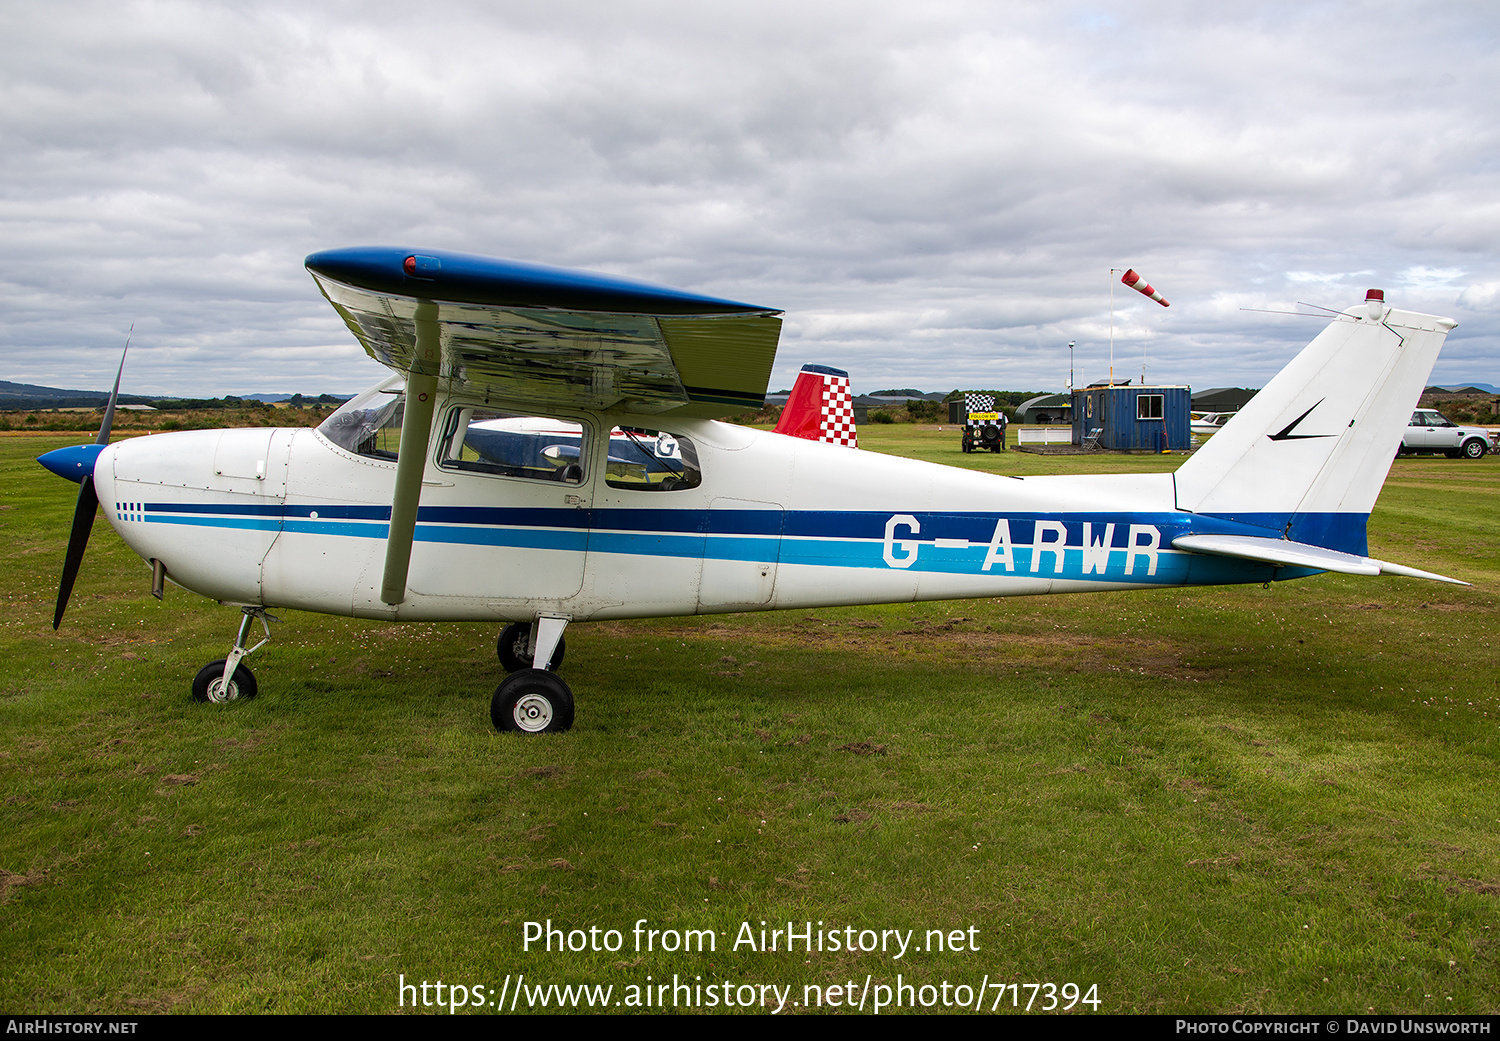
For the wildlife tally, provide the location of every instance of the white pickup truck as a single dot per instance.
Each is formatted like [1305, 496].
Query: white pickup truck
[1431, 431]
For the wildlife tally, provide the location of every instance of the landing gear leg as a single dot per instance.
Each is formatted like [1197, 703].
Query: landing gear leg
[516, 650]
[533, 700]
[226, 679]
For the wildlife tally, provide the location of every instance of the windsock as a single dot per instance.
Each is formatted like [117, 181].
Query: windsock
[820, 408]
[1140, 285]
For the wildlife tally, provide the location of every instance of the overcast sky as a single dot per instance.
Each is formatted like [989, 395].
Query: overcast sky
[935, 193]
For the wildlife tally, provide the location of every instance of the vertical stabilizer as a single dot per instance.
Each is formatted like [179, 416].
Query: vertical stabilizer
[820, 408]
[1307, 456]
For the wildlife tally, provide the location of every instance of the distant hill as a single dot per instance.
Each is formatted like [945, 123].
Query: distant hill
[29, 395]
[311, 399]
[18, 396]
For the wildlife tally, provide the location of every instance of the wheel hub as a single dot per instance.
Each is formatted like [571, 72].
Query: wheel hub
[219, 694]
[533, 713]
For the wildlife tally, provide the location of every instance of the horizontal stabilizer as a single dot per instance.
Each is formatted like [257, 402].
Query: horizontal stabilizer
[1298, 554]
[1387, 568]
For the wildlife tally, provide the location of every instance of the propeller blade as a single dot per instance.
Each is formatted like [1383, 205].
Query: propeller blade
[114, 395]
[78, 539]
[77, 464]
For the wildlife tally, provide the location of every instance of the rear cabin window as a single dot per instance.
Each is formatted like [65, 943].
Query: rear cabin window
[651, 461]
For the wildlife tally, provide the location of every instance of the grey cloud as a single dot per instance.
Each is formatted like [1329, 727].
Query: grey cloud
[935, 195]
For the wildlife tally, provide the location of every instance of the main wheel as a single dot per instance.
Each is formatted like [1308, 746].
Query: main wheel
[511, 648]
[532, 701]
[208, 685]
[1474, 448]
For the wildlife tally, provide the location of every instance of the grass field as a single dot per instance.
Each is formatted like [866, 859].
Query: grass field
[1218, 800]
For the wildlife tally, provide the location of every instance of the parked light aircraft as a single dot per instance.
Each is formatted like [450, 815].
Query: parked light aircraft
[1205, 423]
[445, 493]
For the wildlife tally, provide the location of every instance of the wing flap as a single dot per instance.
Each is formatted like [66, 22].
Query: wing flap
[724, 361]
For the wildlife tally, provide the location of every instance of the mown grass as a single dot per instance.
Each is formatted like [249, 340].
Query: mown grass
[1244, 799]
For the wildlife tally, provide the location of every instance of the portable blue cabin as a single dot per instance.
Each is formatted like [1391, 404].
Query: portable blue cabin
[1134, 419]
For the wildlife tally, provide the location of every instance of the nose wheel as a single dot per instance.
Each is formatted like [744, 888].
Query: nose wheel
[209, 684]
[226, 679]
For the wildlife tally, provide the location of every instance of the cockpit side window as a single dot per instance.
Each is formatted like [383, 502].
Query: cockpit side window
[651, 461]
[504, 444]
[370, 423]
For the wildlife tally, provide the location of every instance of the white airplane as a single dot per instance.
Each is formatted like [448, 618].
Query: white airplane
[1205, 423]
[396, 508]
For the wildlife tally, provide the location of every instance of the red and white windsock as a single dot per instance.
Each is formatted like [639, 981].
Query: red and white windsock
[1140, 285]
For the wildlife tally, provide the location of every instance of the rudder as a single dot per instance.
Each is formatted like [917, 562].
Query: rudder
[820, 407]
[1308, 454]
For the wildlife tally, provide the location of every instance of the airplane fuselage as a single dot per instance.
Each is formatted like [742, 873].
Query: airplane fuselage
[287, 518]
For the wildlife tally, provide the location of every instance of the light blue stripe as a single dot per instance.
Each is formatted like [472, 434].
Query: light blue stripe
[645, 544]
[1172, 567]
[254, 523]
[355, 529]
[835, 553]
[517, 538]
[732, 547]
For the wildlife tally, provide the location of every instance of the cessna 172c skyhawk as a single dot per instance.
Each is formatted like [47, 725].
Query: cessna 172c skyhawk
[547, 451]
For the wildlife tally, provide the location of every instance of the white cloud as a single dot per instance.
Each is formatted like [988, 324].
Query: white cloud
[935, 195]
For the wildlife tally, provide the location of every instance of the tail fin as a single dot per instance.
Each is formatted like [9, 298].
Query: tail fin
[820, 408]
[1308, 454]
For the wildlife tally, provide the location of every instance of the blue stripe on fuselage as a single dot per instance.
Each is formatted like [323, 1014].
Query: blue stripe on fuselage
[1345, 532]
[951, 543]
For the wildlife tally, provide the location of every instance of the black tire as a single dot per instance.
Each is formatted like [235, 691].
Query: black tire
[1474, 448]
[206, 684]
[532, 701]
[1453, 453]
[510, 648]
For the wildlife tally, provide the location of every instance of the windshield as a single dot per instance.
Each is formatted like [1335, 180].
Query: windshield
[369, 424]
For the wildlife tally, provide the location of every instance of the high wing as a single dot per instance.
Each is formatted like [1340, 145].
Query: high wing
[544, 335]
[537, 335]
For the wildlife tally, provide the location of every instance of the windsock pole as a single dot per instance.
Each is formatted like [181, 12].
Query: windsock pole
[1112, 325]
[1140, 285]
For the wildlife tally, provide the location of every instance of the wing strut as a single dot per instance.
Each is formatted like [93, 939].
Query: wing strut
[411, 460]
